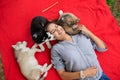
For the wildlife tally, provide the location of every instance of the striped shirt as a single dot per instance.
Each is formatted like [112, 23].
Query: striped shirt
[77, 55]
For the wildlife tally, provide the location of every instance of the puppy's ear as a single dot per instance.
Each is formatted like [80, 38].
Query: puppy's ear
[25, 43]
[13, 46]
[77, 20]
[60, 12]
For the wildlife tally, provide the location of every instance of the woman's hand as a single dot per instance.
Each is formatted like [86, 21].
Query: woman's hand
[90, 72]
[83, 28]
[97, 40]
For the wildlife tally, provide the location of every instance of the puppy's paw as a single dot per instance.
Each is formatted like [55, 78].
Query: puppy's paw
[46, 68]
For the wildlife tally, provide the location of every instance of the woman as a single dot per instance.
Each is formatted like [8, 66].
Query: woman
[74, 56]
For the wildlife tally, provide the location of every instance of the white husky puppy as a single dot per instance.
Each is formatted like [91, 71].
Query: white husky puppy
[28, 63]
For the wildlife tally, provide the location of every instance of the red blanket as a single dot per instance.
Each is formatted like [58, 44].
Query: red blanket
[16, 16]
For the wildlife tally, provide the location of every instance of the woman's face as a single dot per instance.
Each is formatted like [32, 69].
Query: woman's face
[56, 30]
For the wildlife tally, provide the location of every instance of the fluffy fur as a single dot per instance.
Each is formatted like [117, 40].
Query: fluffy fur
[28, 63]
[69, 22]
[38, 32]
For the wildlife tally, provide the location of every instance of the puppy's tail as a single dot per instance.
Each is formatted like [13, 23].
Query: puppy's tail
[35, 74]
[44, 76]
[46, 68]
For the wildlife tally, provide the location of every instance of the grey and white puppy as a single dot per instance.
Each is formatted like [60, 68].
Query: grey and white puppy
[28, 63]
[69, 22]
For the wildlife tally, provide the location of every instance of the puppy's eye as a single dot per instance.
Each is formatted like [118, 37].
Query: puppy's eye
[42, 24]
[62, 19]
[68, 24]
[35, 35]
[53, 31]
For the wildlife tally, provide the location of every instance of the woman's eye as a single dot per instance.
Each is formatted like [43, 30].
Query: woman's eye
[52, 31]
[56, 26]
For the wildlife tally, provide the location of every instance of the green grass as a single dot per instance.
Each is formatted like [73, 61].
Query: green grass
[111, 3]
[115, 9]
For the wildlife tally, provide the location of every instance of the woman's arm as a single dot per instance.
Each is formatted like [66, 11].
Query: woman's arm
[97, 40]
[68, 75]
[89, 72]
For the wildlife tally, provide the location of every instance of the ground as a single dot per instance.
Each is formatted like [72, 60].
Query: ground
[1, 70]
[115, 9]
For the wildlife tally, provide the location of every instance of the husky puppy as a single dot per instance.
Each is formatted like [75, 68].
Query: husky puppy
[69, 22]
[38, 32]
[28, 63]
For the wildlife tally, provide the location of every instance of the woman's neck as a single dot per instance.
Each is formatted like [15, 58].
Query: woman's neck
[68, 38]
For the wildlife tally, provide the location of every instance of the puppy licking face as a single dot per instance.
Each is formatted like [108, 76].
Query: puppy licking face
[28, 63]
[69, 22]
